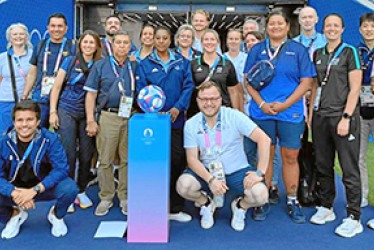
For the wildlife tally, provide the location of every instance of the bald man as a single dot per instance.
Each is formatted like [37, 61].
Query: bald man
[311, 39]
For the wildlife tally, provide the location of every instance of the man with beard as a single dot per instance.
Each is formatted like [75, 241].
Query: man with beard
[113, 23]
[214, 138]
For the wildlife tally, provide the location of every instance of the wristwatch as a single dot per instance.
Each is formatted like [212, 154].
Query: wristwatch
[346, 116]
[260, 173]
[37, 189]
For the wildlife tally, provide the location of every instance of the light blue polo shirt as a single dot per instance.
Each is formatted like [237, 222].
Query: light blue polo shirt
[6, 91]
[235, 125]
[316, 41]
[293, 64]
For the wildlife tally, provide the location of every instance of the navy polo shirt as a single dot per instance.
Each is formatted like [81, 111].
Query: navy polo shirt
[293, 64]
[37, 60]
[73, 96]
[103, 80]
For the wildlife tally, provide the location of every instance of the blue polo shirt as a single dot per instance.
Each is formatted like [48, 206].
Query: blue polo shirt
[103, 80]
[73, 96]
[293, 64]
[364, 53]
[316, 41]
[174, 78]
[37, 60]
[6, 91]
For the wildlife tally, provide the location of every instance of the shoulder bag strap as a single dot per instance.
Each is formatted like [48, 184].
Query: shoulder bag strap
[13, 78]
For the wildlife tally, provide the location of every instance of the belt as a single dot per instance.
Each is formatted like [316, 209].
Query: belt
[111, 110]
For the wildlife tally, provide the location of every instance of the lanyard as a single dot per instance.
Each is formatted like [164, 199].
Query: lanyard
[190, 53]
[26, 154]
[336, 55]
[271, 55]
[18, 63]
[137, 54]
[218, 135]
[132, 78]
[211, 72]
[108, 47]
[369, 58]
[80, 75]
[59, 56]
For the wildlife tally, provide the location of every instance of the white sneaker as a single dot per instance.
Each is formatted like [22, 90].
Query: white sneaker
[84, 200]
[59, 228]
[364, 202]
[370, 224]
[349, 228]
[13, 225]
[206, 213]
[322, 216]
[103, 207]
[181, 217]
[238, 216]
[71, 208]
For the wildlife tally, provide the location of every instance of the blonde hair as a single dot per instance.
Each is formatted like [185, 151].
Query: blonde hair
[180, 30]
[202, 12]
[210, 31]
[14, 26]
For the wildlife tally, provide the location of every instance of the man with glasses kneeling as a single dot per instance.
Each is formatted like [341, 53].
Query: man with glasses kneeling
[213, 139]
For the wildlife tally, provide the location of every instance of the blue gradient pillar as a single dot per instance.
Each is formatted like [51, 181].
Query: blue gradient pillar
[148, 178]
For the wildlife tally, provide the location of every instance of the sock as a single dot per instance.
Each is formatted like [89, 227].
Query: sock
[238, 203]
[291, 199]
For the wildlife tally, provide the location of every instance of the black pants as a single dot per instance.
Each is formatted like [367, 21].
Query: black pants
[178, 165]
[326, 143]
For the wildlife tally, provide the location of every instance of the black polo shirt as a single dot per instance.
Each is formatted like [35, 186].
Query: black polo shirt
[335, 93]
[224, 76]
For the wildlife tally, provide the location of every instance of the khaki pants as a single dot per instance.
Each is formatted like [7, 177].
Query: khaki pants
[112, 139]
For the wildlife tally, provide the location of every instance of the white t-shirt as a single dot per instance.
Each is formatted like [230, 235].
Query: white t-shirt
[234, 125]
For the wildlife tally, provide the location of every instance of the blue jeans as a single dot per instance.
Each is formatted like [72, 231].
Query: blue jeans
[44, 116]
[5, 116]
[73, 127]
[64, 193]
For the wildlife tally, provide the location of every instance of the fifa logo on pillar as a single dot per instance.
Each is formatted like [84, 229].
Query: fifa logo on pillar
[148, 133]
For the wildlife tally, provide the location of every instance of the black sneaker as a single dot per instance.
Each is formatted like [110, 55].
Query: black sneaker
[273, 195]
[260, 213]
[295, 212]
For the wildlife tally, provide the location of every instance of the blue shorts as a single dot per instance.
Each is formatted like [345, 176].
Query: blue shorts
[234, 181]
[288, 133]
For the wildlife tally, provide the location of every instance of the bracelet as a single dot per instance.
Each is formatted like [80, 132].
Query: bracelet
[211, 180]
[53, 111]
[261, 104]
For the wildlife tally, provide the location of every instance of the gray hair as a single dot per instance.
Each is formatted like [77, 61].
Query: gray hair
[14, 26]
[121, 32]
[252, 21]
[180, 30]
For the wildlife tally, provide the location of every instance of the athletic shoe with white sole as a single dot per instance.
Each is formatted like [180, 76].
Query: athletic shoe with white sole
[370, 224]
[84, 201]
[181, 217]
[238, 215]
[103, 208]
[13, 225]
[322, 216]
[123, 206]
[349, 228]
[71, 208]
[206, 212]
[59, 228]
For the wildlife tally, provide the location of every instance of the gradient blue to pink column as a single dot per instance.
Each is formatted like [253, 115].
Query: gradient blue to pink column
[148, 178]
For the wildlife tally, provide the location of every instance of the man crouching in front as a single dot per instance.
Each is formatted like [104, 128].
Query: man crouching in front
[33, 167]
[213, 139]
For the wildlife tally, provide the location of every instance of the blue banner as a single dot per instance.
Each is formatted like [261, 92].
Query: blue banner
[34, 14]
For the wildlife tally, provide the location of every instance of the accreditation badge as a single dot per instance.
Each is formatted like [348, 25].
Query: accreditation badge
[366, 97]
[125, 106]
[47, 84]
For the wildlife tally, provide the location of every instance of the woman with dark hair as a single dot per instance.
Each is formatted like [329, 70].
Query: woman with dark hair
[172, 73]
[278, 108]
[69, 119]
[146, 39]
[334, 114]
[252, 38]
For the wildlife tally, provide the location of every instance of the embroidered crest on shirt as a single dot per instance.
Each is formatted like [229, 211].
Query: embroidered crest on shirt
[154, 70]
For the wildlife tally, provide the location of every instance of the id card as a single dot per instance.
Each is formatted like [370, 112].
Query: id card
[125, 107]
[366, 97]
[216, 169]
[317, 99]
[47, 84]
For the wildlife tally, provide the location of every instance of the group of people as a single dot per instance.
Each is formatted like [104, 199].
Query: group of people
[226, 134]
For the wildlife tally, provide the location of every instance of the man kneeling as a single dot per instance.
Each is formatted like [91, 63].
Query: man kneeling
[214, 138]
[33, 167]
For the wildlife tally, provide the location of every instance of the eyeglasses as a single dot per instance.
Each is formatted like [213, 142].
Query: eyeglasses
[205, 100]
